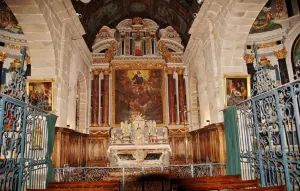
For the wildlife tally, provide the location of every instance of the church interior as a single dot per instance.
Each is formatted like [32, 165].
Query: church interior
[149, 95]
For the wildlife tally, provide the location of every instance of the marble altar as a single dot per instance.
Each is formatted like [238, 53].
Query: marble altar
[139, 143]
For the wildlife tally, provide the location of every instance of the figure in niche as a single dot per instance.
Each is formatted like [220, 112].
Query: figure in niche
[138, 43]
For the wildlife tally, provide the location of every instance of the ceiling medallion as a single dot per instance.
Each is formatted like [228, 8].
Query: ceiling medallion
[138, 7]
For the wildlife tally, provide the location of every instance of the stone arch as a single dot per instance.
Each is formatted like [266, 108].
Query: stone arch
[36, 31]
[83, 104]
[292, 35]
[223, 28]
[195, 106]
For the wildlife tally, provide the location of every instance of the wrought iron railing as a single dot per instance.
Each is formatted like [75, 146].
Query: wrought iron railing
[23, 145]
[129, 176]
[269, 136]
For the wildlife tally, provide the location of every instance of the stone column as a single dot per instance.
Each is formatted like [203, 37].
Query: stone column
[171, 97]
[95, 97]
[105, 111]
[249, 58]
[284, 75]
[181, 95]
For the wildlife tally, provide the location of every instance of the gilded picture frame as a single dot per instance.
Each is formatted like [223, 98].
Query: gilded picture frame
[130, 71]
[41, 93]
[236, 89]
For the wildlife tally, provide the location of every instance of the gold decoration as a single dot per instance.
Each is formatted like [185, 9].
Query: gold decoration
[15, 64]
[266, 45]
[137, 65]
[100, 132]
[180, 70]
[249, 58]
[27, 58]
[108, 55]
[178, 131]
[280, 54]
[170, 70]
[37, 138]
[106, 71]
[96, 71]
[3, 56]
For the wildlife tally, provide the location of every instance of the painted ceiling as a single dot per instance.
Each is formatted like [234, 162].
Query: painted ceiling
[8, 21]
[175, 13]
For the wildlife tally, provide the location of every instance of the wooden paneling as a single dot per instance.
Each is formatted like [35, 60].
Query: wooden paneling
[209, 144]
[75, 149]
[179, 147]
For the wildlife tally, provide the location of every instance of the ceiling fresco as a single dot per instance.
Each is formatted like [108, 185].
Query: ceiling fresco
[176, 13]
[8, 21]
[270, 16]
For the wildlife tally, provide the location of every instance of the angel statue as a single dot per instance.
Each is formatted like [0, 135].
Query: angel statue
[126, 129]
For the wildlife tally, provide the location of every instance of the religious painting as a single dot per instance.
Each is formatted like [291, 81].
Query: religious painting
[138, 89]
[41, 93]
[237, 89]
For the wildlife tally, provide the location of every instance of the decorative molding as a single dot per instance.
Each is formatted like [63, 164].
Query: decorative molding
[266, 37]
[3, 56]
[249, 58]
[137, 65]
[280, 54]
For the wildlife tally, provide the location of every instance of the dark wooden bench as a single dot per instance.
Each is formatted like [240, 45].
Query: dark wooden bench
[73, 189]
[272, 188]
[206, 179]
[86, 184]
[220, 185]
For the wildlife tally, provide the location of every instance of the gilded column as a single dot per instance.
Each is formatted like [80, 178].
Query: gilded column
[105, 110]
[171, 96]
[3, 55]
[181, 95]
[284, 75]
[95, 97]
[249, 58]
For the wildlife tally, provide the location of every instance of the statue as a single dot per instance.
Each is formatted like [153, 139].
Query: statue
[152, 128]
[126, 129]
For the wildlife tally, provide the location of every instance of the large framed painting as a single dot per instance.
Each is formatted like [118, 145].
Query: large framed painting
[138, 88]
[41, 93]
[237, 89]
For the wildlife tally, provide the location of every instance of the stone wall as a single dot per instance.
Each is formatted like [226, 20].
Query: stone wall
[216, 47]
[54, 33]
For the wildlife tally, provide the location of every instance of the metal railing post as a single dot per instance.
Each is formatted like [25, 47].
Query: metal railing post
[210, 169]
[192, 170]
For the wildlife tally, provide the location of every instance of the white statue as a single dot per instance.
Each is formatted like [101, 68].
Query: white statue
[152, 128]
[126, 129]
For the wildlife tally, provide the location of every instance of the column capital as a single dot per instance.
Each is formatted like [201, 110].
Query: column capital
[280, 54]
[170, 70]
[106, 71]
[27, 58]
[96, 71]
[3, 56]
[249, 58]
[180, 70]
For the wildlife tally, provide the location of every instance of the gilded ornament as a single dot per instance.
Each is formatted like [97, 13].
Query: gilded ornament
[264, 61]
[16, 63]
[106, 71]
[3, 56]
[96, 71]
[170, 70]
[27, 58]
[180, 70]
[249, 58]
[280, 54]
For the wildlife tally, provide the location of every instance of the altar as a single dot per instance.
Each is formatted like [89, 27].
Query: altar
[139, 143]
